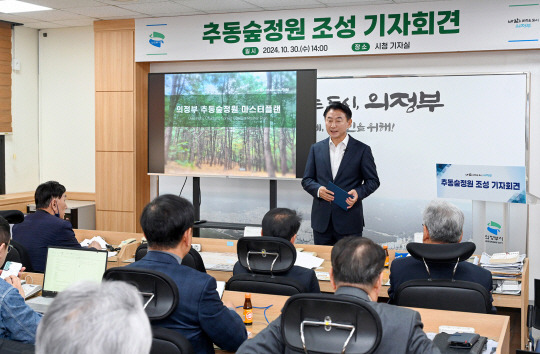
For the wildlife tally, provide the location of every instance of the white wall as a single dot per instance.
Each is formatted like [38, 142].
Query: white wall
[67, 109]
[482, 62]
[22, 168]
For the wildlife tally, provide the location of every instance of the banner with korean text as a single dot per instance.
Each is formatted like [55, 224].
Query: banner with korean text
[421, 27]
[488, 183]
[413, 123]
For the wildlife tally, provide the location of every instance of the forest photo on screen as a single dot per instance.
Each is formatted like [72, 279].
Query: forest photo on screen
[233, 124]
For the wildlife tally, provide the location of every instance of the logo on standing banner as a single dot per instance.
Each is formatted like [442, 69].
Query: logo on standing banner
[156, 39]
[494, 228]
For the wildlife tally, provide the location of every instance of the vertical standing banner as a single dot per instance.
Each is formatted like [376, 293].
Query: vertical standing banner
[422, 27]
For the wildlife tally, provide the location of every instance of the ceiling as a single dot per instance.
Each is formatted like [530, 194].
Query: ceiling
[73, 13]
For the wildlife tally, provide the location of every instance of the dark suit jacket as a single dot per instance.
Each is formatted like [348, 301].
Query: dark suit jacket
[41, 230]
[402, 330]
[409, 268]
[200, 316]
[302, 275]
[356, 171]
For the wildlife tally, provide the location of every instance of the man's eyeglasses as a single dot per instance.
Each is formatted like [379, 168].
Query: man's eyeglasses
[10, 247]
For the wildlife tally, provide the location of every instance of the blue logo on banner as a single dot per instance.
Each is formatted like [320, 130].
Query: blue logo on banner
[156, 39]
[494, 228]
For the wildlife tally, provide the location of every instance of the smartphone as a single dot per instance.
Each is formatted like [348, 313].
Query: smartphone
[11, 268]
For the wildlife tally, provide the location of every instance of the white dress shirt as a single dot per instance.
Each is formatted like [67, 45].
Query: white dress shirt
[336, 155]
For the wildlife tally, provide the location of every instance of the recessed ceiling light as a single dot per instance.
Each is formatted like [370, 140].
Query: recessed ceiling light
[14, 6]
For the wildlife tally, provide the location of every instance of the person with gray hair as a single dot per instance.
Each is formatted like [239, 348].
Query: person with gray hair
[91, 318]
[443, 223]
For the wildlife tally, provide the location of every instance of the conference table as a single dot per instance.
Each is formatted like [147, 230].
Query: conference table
[499, 300]
[493, 327]
[228, 246]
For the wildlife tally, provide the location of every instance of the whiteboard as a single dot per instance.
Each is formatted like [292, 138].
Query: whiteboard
[419, 121]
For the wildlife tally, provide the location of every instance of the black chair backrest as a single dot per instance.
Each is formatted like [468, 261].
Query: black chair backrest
[326, 323]
[12, 256]
[159, 291]
[444, 295]
[264, 284]
[266, 255]
[169, 341]
[141, 251]
[193, 259]
[23, 254]
[441, 253]
[12, 216]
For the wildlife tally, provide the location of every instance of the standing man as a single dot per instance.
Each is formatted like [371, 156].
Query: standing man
[349, 164]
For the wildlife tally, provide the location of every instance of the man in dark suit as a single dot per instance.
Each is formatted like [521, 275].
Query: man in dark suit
[349, 164]
[357, 265]
[443, 223]
[167, 223]
[46, 227]
[285, 223]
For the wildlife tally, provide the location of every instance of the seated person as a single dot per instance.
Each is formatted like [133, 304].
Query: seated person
[93, 318]
[357, 272]
[202, 318]
[285, 223]
[17, 320]
[46, 227]
[443, 223]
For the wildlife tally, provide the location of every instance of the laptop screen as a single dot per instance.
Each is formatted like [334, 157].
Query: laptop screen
[66, 266]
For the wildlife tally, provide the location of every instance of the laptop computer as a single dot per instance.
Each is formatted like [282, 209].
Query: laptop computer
[65, 267]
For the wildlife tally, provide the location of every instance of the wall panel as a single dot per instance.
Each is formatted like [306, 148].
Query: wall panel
[114, 121]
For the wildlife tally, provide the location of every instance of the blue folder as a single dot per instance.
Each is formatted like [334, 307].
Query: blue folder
[340, 196]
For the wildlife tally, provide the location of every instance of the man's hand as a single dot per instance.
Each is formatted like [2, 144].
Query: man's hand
[16, 283]
[326, 194]
[95, 244]
[350, 201]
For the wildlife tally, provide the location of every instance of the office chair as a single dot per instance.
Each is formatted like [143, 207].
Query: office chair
[327, 323]
[160, 295]
[12, 216]
[12, 256]
[193, 259]
[265, 257]
[23, 256]
[18, 253]
[443, 294]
